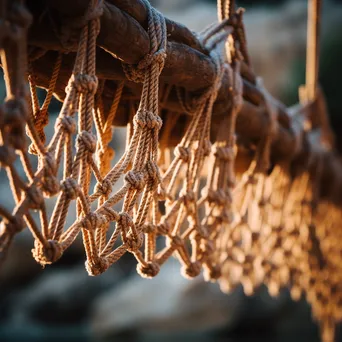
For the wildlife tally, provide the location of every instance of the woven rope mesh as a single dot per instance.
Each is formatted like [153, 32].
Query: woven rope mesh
[268, 225]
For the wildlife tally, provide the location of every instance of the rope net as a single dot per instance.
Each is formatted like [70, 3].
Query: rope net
[267, 226]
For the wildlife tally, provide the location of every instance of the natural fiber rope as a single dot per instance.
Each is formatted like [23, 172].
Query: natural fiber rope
[270, 226]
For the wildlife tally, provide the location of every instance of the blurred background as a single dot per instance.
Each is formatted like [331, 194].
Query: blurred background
[63, 302]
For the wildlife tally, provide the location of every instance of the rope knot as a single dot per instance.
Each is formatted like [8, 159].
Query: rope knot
[192, 270]
[104, 188]
[149, 228]
[175, 241]
[88, 140]
[67, 123]
[135, 180]
[212, 273]
[92, 221]
[150, 270]
[95, 268]
[71, 188]
[150, 59]
[35, 197]
[136, 73]
[183, 153]
[7, 156]
[83, 83]
[12, 226]
[133, 243]
[224, 153]
[145, 118]
[49, 254]
[125, 221]
[50, 183]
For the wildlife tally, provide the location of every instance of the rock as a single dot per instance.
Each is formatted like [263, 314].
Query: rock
[60, 296]
[165, 304]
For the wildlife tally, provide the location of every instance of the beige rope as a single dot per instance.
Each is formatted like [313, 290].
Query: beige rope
[271, 227]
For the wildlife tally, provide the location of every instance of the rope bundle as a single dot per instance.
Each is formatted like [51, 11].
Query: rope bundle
[267, 226]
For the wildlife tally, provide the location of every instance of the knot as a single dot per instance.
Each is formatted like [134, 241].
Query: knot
[88, 140]
[35, 197]
[150, 59]
[92, 221]
[163, 228]
[7, 156]
[47, 254]
[104, 188]
[192, 270]
[71, 188]
[149, 228]
[12, 226]
[125, 221]
[50, 183]
[145, 118]
[41, 119]
[175, 241]
[219, 196]
[136, 73]
[96, 268]
[83, 83]
[150, 270]
[133, 243]
[67, 123]
[153, 172]
[212, 273]
[224, 153]
[135, 180]
[14, 121]
[182, 153]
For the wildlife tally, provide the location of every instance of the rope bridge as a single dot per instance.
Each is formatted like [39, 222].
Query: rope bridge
[193, 107]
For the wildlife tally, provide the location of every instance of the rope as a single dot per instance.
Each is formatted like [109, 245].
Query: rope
[269, 226]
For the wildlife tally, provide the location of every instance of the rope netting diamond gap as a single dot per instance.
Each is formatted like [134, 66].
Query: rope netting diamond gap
[268, 226]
